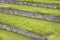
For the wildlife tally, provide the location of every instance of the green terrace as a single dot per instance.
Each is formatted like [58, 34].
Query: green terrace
[7, 35]
[49, 29]
[43, 1]
[35, 25]
[31, 9]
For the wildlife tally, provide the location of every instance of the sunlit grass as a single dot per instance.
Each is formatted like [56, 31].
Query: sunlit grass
[34, 25]
[30, 24]
[31, 8]
[38, 26]
[7, 35]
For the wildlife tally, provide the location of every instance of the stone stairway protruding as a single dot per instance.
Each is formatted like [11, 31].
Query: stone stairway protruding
[21, 31]
[31, 14]
[28, 14]
[31, 4]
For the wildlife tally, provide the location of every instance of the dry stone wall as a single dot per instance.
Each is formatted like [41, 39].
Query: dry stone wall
[21, 31]
[31, 14]
[31, 3]
[28, 14]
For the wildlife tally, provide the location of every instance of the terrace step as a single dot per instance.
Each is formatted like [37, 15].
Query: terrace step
[21, 31]
[31, 14]
[57, 6]
[31, 4]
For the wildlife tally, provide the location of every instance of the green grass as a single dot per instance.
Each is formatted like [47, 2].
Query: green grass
[30, 24]
[38, 26]
[34, 25]
[7, 35]
[43, 1]
[31, 8]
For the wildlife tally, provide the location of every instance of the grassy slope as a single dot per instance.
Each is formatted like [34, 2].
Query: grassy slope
[7, 35]
[34, 25]
[32, 9]
[43, 1]
[30, 24]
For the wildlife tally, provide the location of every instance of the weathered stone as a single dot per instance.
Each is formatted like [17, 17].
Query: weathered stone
[31, 3]
[21, 31]
[31, 14]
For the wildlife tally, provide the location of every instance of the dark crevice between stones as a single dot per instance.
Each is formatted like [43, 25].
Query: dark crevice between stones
[23, 32]
[31, 14]
[31, 3]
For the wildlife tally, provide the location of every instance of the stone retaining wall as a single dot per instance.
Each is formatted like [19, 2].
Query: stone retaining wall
[21, 31]
[40, 4]
[31, 3]
[31, 14]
